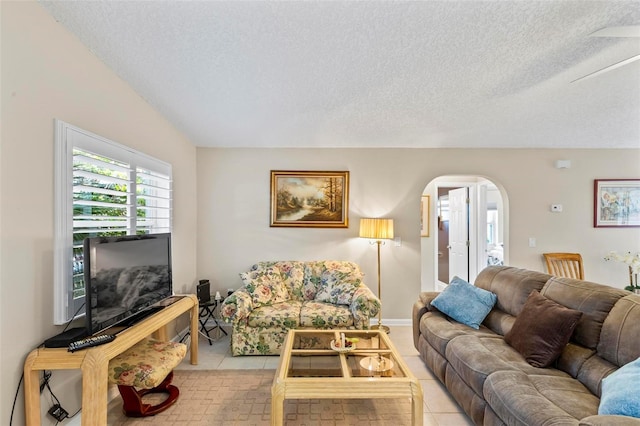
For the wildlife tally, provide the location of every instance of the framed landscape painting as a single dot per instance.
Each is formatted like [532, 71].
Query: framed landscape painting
[309, 199]
[616, 203]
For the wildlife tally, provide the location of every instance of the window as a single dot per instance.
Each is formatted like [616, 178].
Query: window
[102, 189]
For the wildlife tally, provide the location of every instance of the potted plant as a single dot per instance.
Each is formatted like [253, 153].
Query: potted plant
[633, 261]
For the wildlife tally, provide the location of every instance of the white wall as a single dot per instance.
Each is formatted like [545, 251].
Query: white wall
[47, 74]
[222, 198]
[233, 210]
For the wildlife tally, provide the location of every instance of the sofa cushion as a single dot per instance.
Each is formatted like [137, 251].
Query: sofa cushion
[291, 272]
[279, 315]
[472, 403]
[464, 302]
[438, 329]
[511, 285]
[618, 345]
[620, 391]
[317, 273]
[337, 287]
[542, 330]
[499, 321]
[265, 286]
[619, 342]
[609, 420]
[476, 357]
[593, 371]
[519, 398]
[312, 278]
[324, 315]
[573, 358]
[594, 300]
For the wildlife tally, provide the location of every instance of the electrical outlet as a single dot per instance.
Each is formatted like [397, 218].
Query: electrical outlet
[58, 413]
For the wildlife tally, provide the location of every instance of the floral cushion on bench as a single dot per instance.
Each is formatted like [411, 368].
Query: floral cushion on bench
[146, 364]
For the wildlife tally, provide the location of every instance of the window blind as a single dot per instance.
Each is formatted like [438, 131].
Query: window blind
[114, 191]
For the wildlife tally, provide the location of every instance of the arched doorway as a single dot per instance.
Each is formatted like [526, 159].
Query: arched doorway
[469, 219]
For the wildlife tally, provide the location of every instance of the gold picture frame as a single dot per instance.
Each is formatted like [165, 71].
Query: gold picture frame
[309, 199]
[424, 215]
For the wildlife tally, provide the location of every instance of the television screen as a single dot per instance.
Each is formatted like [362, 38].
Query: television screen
[125, 275]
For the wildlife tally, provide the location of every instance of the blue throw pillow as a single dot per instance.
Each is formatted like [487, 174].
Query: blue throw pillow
[620, 391]
[465, 303]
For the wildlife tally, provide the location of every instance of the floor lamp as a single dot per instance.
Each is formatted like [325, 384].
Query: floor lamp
[377, 229]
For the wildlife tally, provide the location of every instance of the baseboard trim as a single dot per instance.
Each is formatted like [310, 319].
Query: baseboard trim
[398, 322]
[76, 421]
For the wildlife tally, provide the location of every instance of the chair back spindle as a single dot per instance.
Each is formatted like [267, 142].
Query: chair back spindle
[564, 265]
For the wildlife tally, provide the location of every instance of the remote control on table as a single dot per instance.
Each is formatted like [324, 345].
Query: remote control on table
[90, 341]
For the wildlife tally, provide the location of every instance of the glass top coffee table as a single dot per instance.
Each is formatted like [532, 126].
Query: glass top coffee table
[316, 364]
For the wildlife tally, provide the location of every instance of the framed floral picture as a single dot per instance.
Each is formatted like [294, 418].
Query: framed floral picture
[616, 203]
[424, 215]
[309, 199]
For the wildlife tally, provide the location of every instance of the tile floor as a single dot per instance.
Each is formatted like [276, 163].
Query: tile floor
[440, 409]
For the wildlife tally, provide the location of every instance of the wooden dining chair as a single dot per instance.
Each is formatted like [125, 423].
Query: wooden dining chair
[564, 265]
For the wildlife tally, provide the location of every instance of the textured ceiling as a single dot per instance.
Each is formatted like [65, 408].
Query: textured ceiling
[374, 74]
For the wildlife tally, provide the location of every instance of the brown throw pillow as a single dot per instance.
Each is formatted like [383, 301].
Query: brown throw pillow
[542, 330]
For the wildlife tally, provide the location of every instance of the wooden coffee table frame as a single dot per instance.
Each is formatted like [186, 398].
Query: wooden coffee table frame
[345, 386]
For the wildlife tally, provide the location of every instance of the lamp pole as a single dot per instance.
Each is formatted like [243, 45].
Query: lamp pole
[380, 326]
[377, 230]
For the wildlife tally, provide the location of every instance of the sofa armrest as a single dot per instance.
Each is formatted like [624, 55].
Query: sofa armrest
[237, 306]
[608, 420]
[420, 307]
[364, 304]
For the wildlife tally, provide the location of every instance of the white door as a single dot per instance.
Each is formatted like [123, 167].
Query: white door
[459, 233]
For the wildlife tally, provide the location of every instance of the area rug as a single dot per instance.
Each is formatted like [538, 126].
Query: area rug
[243, 397]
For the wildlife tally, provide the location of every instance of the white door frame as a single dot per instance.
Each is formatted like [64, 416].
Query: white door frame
[482, 248]
[429, 281]
[473, 226]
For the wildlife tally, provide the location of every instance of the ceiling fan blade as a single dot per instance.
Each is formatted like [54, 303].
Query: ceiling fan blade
[627, 31]
[609, 68]
[622, 31]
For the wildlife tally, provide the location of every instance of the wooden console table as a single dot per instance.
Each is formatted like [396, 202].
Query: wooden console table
[94, 362]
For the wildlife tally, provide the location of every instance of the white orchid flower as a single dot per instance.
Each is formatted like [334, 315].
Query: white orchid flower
[629, 258]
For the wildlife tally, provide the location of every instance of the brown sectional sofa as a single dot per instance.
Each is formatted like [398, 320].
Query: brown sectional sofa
[494, 384]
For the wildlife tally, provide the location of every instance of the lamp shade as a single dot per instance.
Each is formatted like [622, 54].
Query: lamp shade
[377, 229]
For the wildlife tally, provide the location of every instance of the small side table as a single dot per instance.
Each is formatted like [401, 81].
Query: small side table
[207, 313]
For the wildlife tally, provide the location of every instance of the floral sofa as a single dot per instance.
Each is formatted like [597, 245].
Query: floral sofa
[281, 295]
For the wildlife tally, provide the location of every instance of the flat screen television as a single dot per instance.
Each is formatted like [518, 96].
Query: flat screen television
[124, 276]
